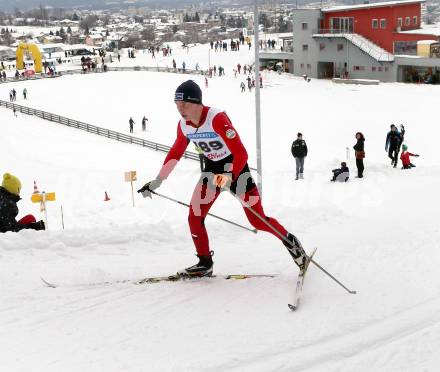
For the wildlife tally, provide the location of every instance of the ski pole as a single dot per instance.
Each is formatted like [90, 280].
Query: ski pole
[331, 276]
[246, 205]
[210, 214]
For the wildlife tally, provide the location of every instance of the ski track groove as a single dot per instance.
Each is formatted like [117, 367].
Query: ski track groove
[308, 357]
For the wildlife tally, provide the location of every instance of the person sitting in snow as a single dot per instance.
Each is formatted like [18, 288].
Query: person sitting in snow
[404, 156]
[9, 196]
[341, 174]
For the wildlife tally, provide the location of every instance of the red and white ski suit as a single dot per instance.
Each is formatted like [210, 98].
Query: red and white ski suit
[224, 153]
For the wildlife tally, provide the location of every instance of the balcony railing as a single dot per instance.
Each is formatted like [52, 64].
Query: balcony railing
[332, 31]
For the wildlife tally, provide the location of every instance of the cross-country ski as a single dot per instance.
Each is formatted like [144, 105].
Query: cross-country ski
[300, 283]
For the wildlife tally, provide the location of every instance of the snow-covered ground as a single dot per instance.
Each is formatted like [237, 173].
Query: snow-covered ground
[379, 235]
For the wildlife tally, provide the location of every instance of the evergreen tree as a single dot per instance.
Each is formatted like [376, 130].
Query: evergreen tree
[63, 35]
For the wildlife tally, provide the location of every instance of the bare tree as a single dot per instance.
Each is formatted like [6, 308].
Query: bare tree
[87, 23]
[148, 34]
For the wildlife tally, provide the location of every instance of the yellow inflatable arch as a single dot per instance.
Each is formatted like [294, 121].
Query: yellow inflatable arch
[36, 55]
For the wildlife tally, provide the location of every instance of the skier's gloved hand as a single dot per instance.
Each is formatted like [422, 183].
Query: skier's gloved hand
[416, 155]
[149, 187]
[221, 180]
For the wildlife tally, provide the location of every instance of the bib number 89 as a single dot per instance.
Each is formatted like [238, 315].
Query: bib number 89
[209, 146]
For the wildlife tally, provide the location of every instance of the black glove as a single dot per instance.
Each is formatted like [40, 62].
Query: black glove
[149, 187]
[36, 225]
[416, 155]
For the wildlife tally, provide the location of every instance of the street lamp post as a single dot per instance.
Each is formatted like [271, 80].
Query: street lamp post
[257, 99]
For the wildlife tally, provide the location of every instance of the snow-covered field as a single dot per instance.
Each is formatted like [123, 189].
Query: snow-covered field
[379, 235]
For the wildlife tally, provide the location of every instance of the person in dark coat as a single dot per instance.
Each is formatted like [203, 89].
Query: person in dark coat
[341, 174]
[9, 197]
[392, 144]
[359, 152]
[131, 124]
[144, 123]
[299, 152]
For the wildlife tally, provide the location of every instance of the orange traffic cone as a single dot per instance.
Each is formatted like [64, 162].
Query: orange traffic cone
[106, 197]
[35, 188]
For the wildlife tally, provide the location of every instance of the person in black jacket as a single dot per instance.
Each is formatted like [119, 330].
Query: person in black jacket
[392, 144]
[9, 197]
[359, 153]
[131, 124]
[341, 174]
[299, 152]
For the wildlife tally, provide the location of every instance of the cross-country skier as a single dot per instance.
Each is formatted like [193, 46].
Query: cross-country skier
[225, 167]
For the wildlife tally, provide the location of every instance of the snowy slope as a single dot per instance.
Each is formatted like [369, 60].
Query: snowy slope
[379, 235]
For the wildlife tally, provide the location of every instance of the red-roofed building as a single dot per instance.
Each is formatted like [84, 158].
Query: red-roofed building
[380, 41]
[382, 23]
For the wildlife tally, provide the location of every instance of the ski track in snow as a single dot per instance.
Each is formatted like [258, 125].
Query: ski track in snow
[378, 235]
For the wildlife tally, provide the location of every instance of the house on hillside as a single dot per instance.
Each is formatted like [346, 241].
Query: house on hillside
[383, 41]
[94, 40]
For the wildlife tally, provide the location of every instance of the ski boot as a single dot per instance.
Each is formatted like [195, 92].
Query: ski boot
[296, 251]
[201, 269]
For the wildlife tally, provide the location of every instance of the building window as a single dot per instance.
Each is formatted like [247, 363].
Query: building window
[383, 23]
[405, 47]
[340, 47]
[379, 69]
[309, 66]
[362, 68]
[399, 22]
[304, 25]
[302, 65]
[407, 21]
[321, 46]
[374, 23]
[415, 20]
[373, 68]
[305, 47]
[356, 68]
[386, 69]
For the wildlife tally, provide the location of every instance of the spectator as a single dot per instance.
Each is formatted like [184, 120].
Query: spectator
[144, 123]
[299, 152]
[392, 144]
[9, 197]
[341, 174]
[359, 154]
[131, 124]
[406, 162]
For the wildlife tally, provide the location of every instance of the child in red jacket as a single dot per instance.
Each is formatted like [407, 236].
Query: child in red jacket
[406, 162]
